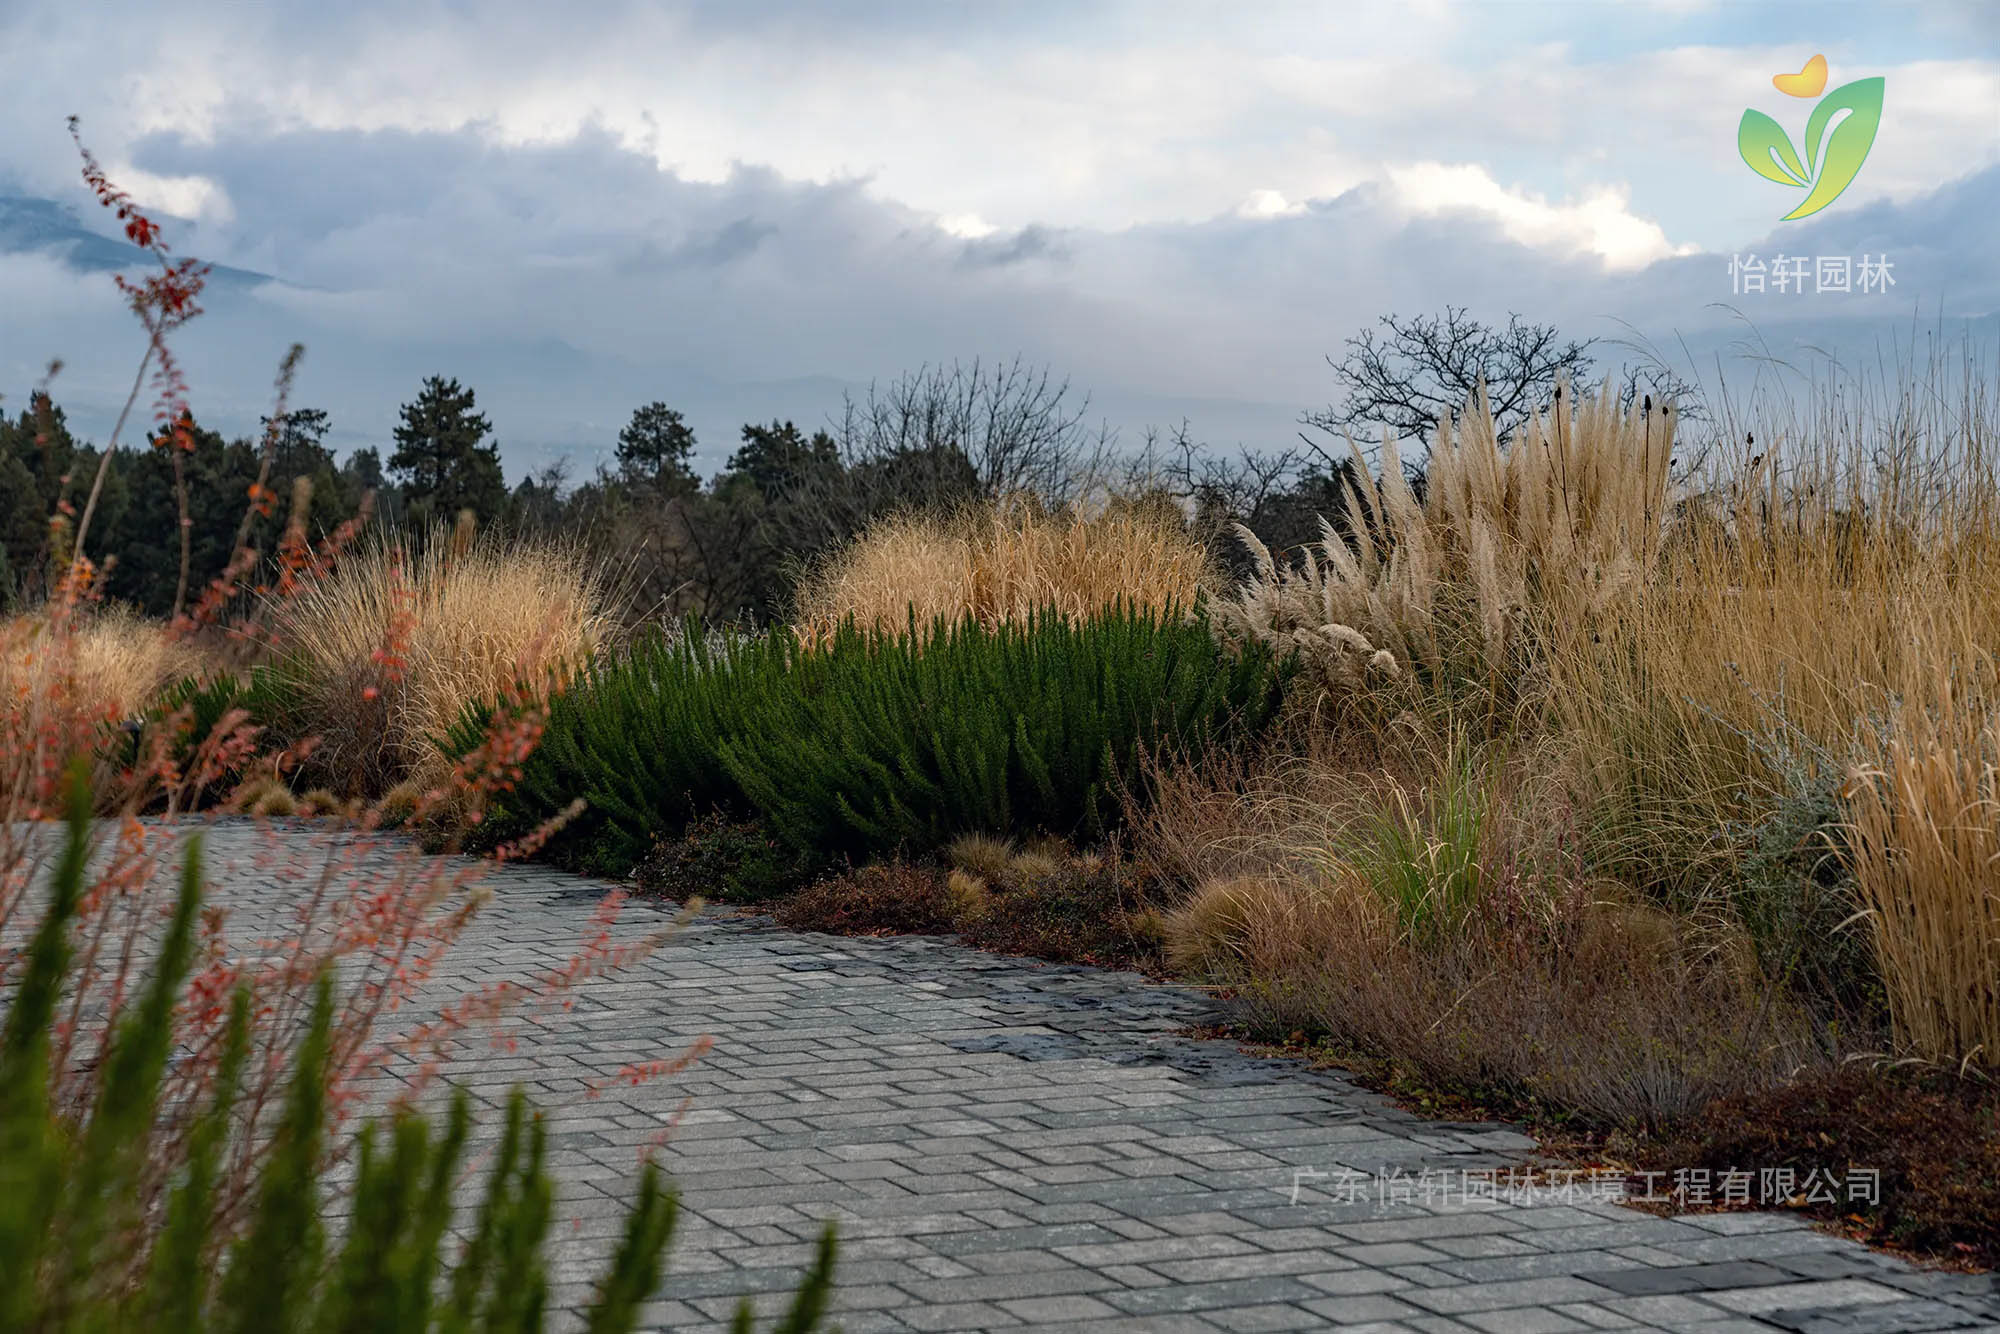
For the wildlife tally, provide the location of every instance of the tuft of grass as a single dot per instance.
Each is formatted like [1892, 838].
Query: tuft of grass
[389, 648]
[1004, 561]
[118, 661]
[984, 855]
[1420, 901]
[1925, 854]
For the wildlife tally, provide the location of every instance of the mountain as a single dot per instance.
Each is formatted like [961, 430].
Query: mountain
[29, 225]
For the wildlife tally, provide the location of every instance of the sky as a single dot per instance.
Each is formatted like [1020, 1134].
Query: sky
[746, 209]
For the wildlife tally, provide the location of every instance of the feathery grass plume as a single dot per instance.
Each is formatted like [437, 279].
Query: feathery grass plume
[1562, 521]
[1004, 560]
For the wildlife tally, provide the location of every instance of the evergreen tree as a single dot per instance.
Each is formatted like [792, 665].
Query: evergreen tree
[780, 461]
[657, 446]
[443, 457]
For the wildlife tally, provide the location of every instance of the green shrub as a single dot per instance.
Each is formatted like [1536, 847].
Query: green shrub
[716, 857]
[78, 1253]
[878, 741]
[873, 740]
[637, 735]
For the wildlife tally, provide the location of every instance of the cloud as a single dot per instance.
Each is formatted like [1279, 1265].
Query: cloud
[745, 208]
[569, 281]
[1601, 223]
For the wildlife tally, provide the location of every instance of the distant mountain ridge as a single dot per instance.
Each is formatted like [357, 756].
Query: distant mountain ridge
[29, 225]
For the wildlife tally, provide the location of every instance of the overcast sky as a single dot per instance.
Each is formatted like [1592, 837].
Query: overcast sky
[742, 207]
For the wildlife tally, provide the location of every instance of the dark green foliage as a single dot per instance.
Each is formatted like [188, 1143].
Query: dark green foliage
[873, 741]
[716, 857]
[74, 1248]
[638, 737]
[1797, 901]
[185, 717]
[656, 448]
[444, 457]
[882, 741]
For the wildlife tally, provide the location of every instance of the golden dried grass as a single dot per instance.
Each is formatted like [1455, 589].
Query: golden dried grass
[393, 644]
[116, 660]
[1000, 562]
[1925, 852]
[1565, 520]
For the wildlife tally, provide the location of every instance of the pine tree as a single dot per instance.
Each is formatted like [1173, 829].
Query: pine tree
[657, 446]
[444, 458]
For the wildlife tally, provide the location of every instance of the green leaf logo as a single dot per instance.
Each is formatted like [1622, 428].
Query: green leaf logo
[1768, 150]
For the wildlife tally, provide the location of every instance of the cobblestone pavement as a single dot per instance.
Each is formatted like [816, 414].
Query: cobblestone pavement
[1009, 1146]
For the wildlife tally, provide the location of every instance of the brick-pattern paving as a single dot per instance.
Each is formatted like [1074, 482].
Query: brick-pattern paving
[1011, 1146]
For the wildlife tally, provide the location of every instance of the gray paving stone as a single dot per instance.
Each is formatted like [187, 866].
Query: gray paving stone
[1901, 1317]
[1010, 1146]
[1637, 1281]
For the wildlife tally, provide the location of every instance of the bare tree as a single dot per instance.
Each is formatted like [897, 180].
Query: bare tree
[1021, 429]
[1428, 366]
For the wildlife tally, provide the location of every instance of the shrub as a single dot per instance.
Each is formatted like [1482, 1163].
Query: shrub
[637, 735]
[1466, 946]
[874, 741]
[883, 898]
[1003, 562]
[881, 741]
[78, 1251]
[385, 651]
[1046, 901]
[716, 857]
[1933, 1141]
[193, 723]
[1052, 903]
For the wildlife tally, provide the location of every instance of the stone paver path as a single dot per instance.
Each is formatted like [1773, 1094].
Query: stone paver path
[1009, 1146]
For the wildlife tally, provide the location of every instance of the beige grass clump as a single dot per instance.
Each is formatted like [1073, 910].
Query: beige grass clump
[117, 660]
[394, 643]
[1000, 562]
[1926, 859]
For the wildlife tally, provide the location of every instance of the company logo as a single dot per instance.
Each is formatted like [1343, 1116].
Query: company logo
[1831, 159]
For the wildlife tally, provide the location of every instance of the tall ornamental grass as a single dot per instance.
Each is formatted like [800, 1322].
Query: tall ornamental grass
[1004, 561]
[388, 647]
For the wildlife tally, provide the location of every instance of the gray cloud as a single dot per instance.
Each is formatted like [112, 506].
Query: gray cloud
[571, 280]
